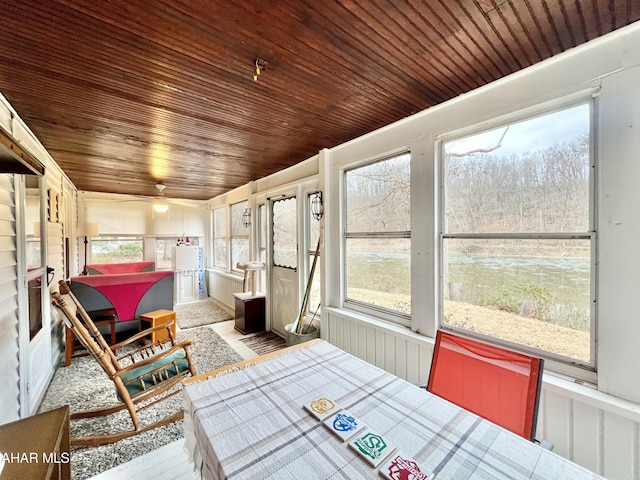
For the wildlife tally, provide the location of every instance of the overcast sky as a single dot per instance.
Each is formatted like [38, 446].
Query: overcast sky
[529, 135]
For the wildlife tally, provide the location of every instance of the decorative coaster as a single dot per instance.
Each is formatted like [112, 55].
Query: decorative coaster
[372, 447]
[400, 466]
[322, 407]
[344, 425]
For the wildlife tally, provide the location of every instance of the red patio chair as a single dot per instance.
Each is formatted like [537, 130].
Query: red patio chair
[497, 384]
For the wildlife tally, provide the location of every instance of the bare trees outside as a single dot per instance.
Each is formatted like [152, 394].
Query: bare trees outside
[517, 234]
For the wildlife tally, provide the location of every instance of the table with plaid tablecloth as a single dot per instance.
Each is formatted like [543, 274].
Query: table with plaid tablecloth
[248, 422]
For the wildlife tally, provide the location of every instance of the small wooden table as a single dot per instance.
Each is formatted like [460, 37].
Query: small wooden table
[37, 447]
[158, 317]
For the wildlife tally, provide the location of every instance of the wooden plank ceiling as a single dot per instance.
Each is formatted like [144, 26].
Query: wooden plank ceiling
[125, 94]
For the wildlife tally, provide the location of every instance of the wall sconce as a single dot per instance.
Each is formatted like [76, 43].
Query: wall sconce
[87, 230]
[317, 205]
[246, 218]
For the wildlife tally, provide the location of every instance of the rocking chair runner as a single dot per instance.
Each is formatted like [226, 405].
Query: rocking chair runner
[145, 376]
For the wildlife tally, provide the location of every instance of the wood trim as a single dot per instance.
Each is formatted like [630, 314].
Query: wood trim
[15, 159]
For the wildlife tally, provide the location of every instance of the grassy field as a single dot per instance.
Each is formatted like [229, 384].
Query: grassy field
[515, 328]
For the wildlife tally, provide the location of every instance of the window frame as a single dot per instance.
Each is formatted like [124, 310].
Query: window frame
[564, 365]
[115, 237]
[311, 245]
[273, 243]
[222, 237]
[392, 316]
[231, 237]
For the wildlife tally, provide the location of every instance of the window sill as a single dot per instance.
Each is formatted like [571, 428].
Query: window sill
[562, 385]
[589, 395]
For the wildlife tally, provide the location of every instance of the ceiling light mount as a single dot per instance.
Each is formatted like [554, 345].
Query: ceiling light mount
[259, 65]
[160, 204]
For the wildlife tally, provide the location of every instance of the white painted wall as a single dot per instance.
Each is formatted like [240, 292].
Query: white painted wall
[595, 425]
[15, 367]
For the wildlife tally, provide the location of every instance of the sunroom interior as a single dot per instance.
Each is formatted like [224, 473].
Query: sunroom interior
[507, 212]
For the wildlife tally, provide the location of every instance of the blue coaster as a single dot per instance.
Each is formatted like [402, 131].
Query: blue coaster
[344, 425]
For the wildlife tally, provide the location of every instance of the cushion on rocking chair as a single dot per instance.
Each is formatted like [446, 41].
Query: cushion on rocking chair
[143, 377]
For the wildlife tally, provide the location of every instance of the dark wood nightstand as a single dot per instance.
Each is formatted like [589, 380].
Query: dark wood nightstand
[250, 312]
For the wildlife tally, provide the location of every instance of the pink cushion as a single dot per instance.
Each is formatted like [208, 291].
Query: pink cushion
[123, 291]
[111, 268]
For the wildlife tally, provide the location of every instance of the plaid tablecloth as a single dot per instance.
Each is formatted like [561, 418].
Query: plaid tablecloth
[251, 424]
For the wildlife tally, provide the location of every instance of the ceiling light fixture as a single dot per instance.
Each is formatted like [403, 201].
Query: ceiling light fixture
[259, 65]
[160, 207]
[160, 204]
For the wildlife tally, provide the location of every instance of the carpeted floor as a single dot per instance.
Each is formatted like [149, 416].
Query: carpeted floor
[83, 385]
[265, 342]
[196, 314]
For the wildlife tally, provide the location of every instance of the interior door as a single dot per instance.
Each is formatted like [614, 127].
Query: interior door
[284, 266]
[39, 364]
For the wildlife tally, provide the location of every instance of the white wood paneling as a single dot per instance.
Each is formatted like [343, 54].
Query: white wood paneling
[389, 347]
[221, 287]
[587, 445]
[9, 367]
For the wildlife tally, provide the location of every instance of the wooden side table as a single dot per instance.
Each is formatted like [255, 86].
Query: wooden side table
[158, 317]
[250, 312]
[37, 447]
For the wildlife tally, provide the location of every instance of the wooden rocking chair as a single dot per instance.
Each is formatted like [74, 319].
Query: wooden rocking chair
[143, 374]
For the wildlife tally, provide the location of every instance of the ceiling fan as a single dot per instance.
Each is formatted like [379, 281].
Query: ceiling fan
[160, 203]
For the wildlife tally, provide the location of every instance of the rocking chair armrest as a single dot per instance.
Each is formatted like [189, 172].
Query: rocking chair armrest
[151, 350]
[143, 333]
[152, 359]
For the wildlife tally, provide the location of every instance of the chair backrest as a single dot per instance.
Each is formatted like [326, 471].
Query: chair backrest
[499, 385]
[78, 320]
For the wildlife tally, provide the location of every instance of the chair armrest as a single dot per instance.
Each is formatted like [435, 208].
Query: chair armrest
[144, 333]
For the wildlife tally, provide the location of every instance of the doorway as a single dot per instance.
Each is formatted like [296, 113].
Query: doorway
[284, 263]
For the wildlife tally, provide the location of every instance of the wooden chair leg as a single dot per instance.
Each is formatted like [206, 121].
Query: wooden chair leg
[69, 345]
[113, 331]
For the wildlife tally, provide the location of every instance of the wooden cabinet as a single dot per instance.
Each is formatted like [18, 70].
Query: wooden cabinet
[250, 312]
[37, 447]
[155, 318]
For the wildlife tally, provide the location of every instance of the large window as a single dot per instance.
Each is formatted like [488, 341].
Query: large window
[285, 236]
[378, 237]
[239, 235]
[517, 236]
[219, 239]
[116, 249]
